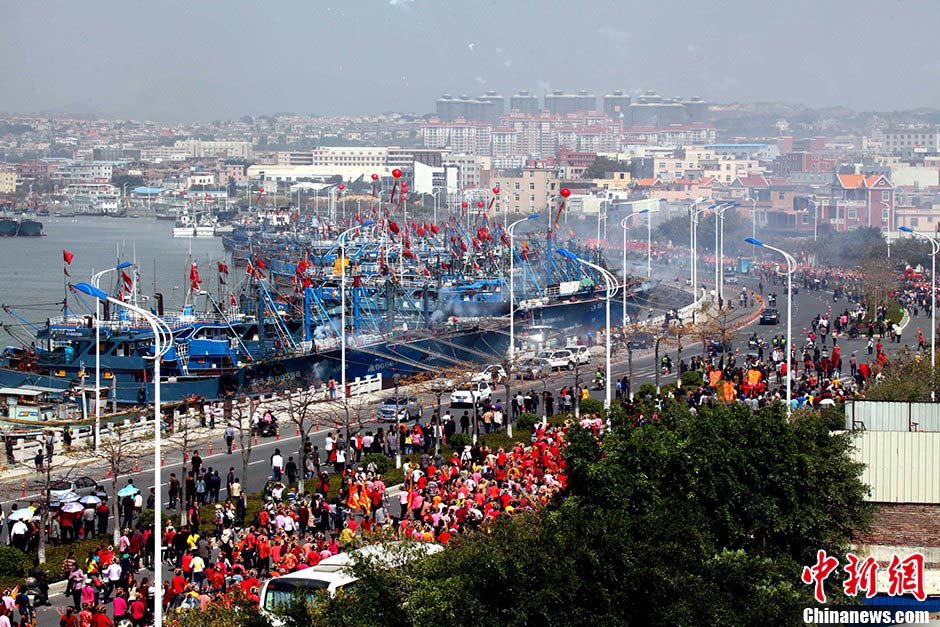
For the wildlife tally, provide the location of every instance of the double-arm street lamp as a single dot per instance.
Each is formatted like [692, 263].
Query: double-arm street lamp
[512, 290]
[791, 267]
[162, 341]
[611, 287]
[933, 302]
[95, 283]
[342, 268]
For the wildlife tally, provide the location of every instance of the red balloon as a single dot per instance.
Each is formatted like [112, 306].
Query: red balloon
[375, 177]
[480, 204]
[404, 196]
[496, 190]
[396, 173]
[341, 187]
[465, 204]
[565, 192]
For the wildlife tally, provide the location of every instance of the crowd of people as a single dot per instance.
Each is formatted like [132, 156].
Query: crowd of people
[108, 581]
[439, 499]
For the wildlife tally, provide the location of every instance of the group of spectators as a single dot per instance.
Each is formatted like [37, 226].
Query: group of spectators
[439, 499]
[108, 581]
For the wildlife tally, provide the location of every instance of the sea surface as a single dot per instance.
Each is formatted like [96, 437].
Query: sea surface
[32, 281]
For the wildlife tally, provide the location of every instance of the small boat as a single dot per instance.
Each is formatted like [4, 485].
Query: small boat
[30, 228]
[8, 227]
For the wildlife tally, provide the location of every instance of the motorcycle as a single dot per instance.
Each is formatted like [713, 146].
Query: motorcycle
[599, 383]
[266, 429]
[36, 588]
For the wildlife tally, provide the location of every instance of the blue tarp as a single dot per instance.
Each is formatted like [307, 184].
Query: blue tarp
[148, 191]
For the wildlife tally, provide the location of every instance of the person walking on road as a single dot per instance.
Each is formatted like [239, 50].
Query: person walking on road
[277, 464]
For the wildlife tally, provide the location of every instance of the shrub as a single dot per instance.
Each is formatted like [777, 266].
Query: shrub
[57, 553]
[692, 378]
[382, 463]
[647, 389]
[458, 441]
[591, 406]
[527, 421]
[13, 562]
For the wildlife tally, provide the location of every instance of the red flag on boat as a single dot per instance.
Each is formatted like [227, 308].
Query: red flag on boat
[194, 276]
[67, 258]
[223, 269]
[128, 281]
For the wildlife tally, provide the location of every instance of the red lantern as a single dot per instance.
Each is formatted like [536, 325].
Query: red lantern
[404, 197]
[465, 204]
[480, 204]
[341, 187]
[396, 173]
[496, 190]
[404, 187]
[375, 177]
[565, 192]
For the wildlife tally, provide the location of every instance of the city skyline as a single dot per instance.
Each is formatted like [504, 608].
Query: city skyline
[198, 63]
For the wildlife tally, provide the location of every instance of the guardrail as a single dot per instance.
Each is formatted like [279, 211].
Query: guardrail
[26, 443]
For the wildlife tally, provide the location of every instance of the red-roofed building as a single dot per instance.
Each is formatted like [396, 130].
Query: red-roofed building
[860, 200]
[772, 199]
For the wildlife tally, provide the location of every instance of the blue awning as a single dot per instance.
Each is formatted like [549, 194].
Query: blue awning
[148, 191]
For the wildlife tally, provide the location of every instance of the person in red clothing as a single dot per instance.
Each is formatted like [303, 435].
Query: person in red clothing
[69, 619]
[100, 618]
[138, 612]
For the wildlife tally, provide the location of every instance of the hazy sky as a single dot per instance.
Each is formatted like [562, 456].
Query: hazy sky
[202, 60]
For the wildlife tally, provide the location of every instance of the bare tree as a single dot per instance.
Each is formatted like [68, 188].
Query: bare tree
[716, 325]
[305, 408]
[42, 483]
[120, 450]
[241, 419]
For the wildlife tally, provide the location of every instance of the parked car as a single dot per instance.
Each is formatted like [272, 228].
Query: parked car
[472, 394]
[394, 409]
[717, 346]
[770, 316]
[581, 354]
[534, 368]
[493, 373]
[82, 486]
[558, 358]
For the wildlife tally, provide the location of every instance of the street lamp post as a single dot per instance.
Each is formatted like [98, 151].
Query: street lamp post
[720, 249]
[162, 341]
[933, 303]
[342, 289]
[623, 225]
[512, 289]
[611, 283]
[94, 282]
[753, 217]
[692, 224]
[695, 221]
[791, 267]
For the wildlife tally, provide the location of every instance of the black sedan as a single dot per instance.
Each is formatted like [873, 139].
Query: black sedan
[770, 316]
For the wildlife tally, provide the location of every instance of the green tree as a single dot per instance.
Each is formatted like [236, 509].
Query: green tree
[698, 519]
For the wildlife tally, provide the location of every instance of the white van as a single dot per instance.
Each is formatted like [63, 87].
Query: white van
[581, 354]
[558, 358]
[334, 573]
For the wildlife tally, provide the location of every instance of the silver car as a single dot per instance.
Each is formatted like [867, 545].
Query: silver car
[82, 486]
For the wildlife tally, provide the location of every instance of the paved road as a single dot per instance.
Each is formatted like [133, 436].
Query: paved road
[806, 306]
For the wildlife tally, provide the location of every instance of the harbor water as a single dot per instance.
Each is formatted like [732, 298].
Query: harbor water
[32, 281]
